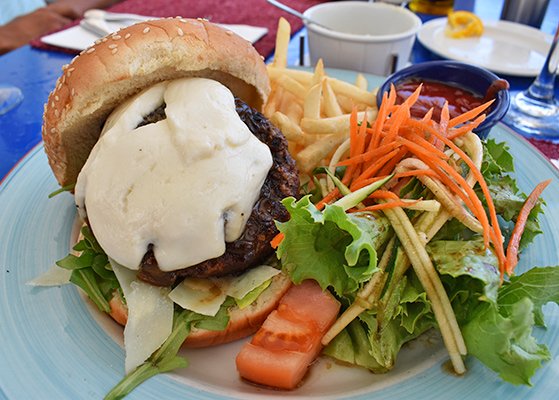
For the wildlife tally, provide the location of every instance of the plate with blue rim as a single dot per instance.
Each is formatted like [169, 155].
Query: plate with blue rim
[55, 345]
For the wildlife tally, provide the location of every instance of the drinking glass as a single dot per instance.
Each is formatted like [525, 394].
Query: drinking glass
[10, 96]
[535, 111]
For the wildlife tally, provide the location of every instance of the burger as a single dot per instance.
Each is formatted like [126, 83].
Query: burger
[175, 173]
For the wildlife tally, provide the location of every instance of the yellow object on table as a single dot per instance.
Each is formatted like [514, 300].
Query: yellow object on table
[463, 24]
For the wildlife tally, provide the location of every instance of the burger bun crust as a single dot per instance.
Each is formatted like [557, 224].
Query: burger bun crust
[242, 322]
[122, 64]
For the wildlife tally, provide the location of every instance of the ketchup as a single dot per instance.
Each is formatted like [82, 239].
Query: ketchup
[434, 94]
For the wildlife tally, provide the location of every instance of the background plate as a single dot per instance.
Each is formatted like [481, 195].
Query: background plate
[505, 47]
[55, 346]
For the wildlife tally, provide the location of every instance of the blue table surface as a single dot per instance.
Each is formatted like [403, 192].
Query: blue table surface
[35, 72]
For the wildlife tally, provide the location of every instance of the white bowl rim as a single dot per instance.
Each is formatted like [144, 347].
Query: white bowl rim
[363, 38]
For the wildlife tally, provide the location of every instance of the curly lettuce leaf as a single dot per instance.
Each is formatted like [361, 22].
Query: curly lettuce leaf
[458, 258]
[508, 199]
[505, 344]
[540, 285]
[335, 248]
[374, 340]
[500, 335]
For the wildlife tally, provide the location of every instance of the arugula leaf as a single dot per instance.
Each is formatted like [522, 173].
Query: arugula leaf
[166, 358]
[91, 270]
[67, 188]
[85, 278]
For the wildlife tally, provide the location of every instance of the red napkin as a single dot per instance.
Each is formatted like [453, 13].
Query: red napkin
[548, 148]
[249, 12]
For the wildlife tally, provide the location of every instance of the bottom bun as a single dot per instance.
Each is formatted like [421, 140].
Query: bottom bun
[242, 322]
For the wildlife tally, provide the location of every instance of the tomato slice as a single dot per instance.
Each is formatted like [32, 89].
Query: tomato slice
[281, 351]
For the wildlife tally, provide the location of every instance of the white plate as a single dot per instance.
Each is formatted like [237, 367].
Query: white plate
[53, 345]
[505, 47]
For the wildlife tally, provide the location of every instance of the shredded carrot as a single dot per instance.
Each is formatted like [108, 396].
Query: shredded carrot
[514, 242]
[328, 198]
[389, 204]
[370, 154]
[375, 167]
[457, 184]
[391, 164]
[461, 130]
[415, 172]
[497, 236]
[468, 115]
[429, 147]
[401, 115]
[384, 194]
[387, 103]
[394, 135]
[275, 242]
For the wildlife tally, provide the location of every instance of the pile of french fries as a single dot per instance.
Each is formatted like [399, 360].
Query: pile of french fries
[313, 109]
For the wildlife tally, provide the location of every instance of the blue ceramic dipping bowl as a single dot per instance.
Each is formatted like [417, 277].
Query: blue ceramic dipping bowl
[475, 79]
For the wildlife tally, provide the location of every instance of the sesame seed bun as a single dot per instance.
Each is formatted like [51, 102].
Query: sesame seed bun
[120, 65]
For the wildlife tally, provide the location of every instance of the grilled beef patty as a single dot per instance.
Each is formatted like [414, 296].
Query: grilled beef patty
[253, 247]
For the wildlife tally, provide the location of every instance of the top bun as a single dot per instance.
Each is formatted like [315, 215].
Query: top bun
[123, 63]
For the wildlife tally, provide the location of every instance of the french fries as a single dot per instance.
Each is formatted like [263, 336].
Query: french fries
[313, 109]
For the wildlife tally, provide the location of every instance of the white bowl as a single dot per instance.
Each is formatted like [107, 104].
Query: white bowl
[369, 37]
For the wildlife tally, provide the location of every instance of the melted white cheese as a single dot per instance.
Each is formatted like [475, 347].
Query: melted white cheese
[185, 184]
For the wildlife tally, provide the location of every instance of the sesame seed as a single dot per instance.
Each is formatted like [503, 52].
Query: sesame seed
[64, 67]
[116, 37]
[73, 92]
[112, 46]
[180, 31]
[56, 98]
[52, 130]
[90, 50]
[229, 33]
[56, 113]
[127, 36]
[97, 41]
[104, 40]
[113, 51]
[183, 20]
[146, 30]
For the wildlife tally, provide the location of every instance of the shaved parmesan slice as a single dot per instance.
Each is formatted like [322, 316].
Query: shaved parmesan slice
[150, 317]
[54, 276]
[240, 286]
[204, 296]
